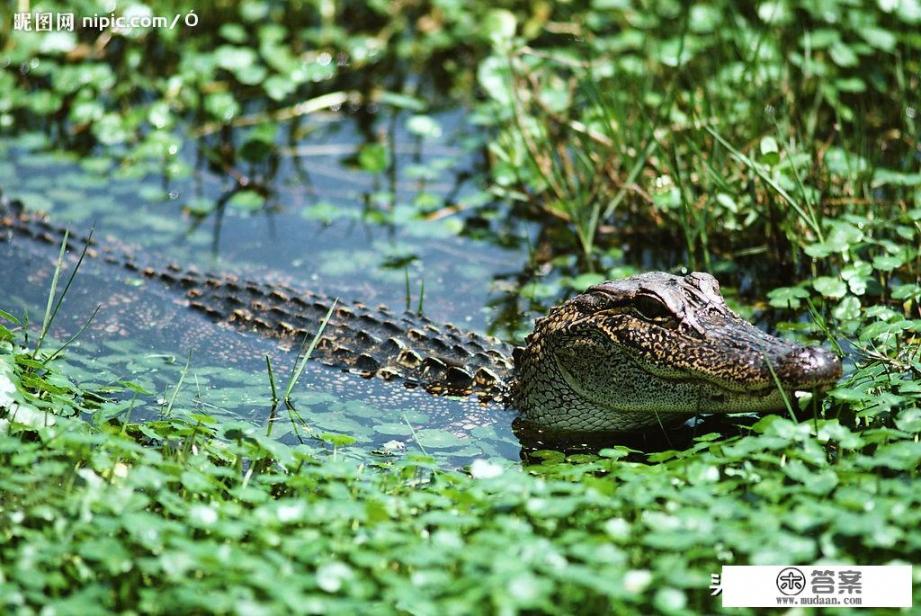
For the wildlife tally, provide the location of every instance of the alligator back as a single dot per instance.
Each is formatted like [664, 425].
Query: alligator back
[371, 341]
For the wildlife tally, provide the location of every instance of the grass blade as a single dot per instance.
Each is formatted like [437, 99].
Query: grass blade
[172, 398]
[268, 367]
[783, 394]
[72, 338]
[748, 162]
[52, 306]
[305, 355]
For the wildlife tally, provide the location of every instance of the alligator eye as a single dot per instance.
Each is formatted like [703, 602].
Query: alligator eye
[651, 308]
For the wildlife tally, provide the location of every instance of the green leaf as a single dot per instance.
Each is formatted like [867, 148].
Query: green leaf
[424, 126]
[338, 440]
[909, 420]
[887, 263]
[843, 55]
[847, 309]
[787, 297]
[235, 33]
[233, 58]
[374, 157]
[499, 25]
[401, 101]
[830, 287]
[770, 154]
[495, 77]
[436, 438]
[222, 105]
[111, 129]
[279, 88]
[878, 38]
[247, 200]
[670, 600]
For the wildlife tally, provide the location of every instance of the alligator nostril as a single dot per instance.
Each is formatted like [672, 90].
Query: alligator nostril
[810, 367]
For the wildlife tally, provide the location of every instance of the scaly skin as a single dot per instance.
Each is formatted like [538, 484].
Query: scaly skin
[626, 355]
[654, 349]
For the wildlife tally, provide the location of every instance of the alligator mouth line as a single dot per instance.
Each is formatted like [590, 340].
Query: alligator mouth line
[717, 401]
[774, 384]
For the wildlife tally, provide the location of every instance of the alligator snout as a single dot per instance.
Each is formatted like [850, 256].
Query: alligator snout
[632, 353]
[808, 367]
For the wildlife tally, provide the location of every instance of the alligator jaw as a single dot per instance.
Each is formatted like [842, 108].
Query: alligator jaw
[792, 368]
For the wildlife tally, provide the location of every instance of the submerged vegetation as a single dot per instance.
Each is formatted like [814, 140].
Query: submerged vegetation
[775, 146]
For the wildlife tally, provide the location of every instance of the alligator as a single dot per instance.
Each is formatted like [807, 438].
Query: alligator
[628, 355]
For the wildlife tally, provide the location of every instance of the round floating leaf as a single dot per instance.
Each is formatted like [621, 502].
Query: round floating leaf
[200, 206]
[256, 150]
[525, 589]
[705, 18]
[819, 250]
[436, 438]
[909, 420]
[775, 13]
[857, 275]
[393, 429]
[878, 37]
[87, 112]
[152, 192]
[584, 281]
[247, 200]
[851, 85]
[907, 291]
[44, 102]
[338, 440]
[843, 236]
[254, 10]
[668, 52]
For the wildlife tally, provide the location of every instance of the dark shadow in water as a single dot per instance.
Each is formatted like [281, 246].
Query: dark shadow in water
[644, 442]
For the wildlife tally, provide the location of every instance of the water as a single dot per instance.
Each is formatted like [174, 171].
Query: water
[326, 226]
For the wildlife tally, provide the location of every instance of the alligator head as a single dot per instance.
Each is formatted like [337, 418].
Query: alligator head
[656, 348]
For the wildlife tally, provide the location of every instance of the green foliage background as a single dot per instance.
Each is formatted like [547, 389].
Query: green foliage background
[777, 140]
